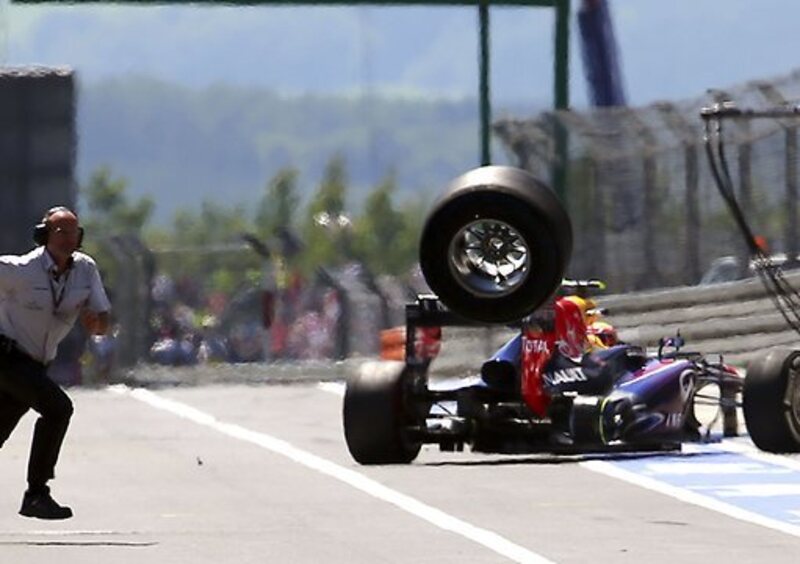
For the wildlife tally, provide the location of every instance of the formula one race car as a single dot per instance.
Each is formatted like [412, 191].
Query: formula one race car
[494, 249]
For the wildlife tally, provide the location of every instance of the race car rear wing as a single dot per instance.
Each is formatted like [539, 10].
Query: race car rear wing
[423, 318]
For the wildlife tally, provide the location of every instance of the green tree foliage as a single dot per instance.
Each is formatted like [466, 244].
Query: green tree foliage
[113, 223]
[407, 242]
[278, 205]
[207, 248]
[110, 211]
[378, 232]
[327, 229]
[215, 224]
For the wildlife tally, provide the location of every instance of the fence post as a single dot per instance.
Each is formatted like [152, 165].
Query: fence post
[125, 353]
[651, 203]
[598, 256]
[791, 195]
[591, 249]
[688, 137]
[744, 161]
[341, 345]
[773, 96]
[144, 262]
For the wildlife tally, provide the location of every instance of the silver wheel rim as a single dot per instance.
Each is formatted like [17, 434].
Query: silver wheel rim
[489, 258]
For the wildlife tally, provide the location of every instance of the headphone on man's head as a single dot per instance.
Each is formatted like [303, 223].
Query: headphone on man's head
[41, 231]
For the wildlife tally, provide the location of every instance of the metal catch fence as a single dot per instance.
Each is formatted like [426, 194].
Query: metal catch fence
[644, 205]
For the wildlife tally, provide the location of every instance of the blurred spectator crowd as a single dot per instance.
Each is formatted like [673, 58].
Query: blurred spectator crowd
[335, 314]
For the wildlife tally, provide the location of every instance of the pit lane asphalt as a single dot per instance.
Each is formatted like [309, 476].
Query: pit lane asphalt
[148, 485]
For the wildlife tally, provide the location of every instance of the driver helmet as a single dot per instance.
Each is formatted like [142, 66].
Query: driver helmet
[587, 306]
[604, 333]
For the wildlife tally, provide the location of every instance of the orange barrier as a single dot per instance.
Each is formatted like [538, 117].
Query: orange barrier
[393, 343]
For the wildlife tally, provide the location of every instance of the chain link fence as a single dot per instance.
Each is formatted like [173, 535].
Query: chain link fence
[645, 209]
[639, 190]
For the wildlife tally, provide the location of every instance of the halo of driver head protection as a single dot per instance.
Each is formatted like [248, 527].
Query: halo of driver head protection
[41, 231]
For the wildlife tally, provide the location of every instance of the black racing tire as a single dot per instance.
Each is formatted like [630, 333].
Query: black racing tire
[771, 401]
[377, 413]
[534, 230]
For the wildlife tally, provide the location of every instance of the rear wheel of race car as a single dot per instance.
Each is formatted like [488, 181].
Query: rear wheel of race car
[771, 401]
[496, 246]
[379, 414]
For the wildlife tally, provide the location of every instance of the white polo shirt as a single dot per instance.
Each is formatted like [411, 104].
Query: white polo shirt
[38, 309]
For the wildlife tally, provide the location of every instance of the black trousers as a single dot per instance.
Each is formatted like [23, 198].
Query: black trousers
[24, 385]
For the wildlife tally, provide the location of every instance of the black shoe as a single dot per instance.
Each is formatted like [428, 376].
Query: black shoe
[42, 506]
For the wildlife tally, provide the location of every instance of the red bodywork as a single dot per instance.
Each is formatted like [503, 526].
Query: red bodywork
[567, 335]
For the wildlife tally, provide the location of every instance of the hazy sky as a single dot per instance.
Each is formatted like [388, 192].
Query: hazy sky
[670, 49]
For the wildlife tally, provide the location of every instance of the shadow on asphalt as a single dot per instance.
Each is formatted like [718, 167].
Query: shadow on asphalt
[541, 459]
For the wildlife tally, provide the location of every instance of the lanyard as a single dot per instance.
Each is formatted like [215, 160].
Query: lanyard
[59, 297]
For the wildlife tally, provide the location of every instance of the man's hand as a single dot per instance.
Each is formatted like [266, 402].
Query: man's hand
[94, 323]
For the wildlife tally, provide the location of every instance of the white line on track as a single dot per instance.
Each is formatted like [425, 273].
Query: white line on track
[750, 451]
[335, 388]
[681, 494]
[67, 532]
[484, 537]
[688, 496]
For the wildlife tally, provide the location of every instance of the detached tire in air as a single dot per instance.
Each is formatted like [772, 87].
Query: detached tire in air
[771, 401]
[379, 416]
[496, 245]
